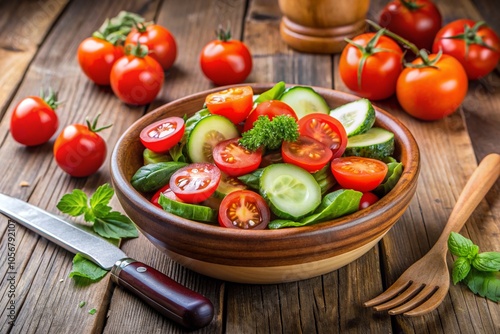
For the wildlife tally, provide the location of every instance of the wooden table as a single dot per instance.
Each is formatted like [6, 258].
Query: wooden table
[38, 47]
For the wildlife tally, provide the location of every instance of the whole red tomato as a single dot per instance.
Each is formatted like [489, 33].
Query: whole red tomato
[96, 56]
[136, 78]
[473, 44]
[415, 20]
[79, 150]
[369, 60]
[34, 121]
[225, 61]
[159, 40]
[432, 92]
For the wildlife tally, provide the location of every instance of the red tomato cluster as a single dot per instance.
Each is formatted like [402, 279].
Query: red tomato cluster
[432, 86]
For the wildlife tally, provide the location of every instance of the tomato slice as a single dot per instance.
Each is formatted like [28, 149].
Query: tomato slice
[244, 209]
[235, 160]
[367, 199]
[307, 153]
[162, 135]
[234, 103]
[325, 129]
[166, 191]
[195, 182]
[358, 173]
[271, 109]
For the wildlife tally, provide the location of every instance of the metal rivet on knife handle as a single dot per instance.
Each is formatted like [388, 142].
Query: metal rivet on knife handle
[178, 303]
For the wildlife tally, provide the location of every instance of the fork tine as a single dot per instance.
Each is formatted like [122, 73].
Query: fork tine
[431, 304]
[420, 298]
[388, 294]
[406, 295]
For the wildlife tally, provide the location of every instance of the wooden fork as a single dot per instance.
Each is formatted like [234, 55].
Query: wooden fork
[423, 286]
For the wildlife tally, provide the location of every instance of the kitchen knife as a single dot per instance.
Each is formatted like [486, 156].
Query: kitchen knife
[176, 302]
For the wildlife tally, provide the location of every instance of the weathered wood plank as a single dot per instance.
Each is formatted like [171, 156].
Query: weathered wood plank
[23, 27]
[42, 268]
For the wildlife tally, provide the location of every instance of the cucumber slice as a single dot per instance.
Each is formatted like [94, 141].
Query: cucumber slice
[189, 211]
[209, 131]
[290, 191]
[305, 100]
[228, 184]
[376, 143]
[356, 117]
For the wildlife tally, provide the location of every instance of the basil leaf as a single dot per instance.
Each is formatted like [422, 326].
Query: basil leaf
[86, 269]
[484, 283]
[459, 245]
[280, 223]
[252, 179]
[154, 176]
[395, 170]
[101, 196]
[487, 261]
[461, 268]
[272, 94]
[115, 225]
[74, 203]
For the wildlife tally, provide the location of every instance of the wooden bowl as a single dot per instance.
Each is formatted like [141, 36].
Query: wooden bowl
[264, 256]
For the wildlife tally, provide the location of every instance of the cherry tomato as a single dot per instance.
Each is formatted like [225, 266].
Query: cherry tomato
[162, 135]
[166, 191]
[367, 199]
[473, 44]
[271, 109]
[136, 78]
[34, 121]
[235, 160]
[358, 173]
[325, 129]
[369, 60]
[79, 150]
[244, 209]
[234, 103]
[195, 182]
[96, 58]
[415, 20]
[159, 40]
[432, 92]
[225, 61]
[307, 153]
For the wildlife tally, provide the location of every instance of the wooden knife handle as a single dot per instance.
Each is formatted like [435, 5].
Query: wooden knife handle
[176, 302]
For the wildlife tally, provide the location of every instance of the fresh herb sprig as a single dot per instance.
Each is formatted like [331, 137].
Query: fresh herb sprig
[479, 271]
[109, 224]
[270, 133]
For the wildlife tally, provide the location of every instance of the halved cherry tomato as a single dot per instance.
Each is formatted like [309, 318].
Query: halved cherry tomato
[367, 199]
[358, 173]
[307, 153]
[325, 129]
[162, 135]
[235, 160]
[271, 109]
[166, 191]
[195, 182]
[234, 103]
[244, 209]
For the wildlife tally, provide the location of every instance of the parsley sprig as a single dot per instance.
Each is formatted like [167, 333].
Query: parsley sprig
[109, 224]
[479, 271]
[270, 133]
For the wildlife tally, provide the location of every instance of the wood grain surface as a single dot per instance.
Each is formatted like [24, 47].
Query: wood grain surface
[38, 43]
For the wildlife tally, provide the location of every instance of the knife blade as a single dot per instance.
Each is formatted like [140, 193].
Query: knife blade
[176, 302]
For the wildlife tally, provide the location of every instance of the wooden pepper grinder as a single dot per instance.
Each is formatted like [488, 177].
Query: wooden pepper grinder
[320, 26]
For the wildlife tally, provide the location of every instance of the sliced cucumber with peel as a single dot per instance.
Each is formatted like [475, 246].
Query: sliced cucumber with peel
[189, 211]
[209, 131]
[290, 191]
[376, 143]
[305, 100]
[357, 117]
